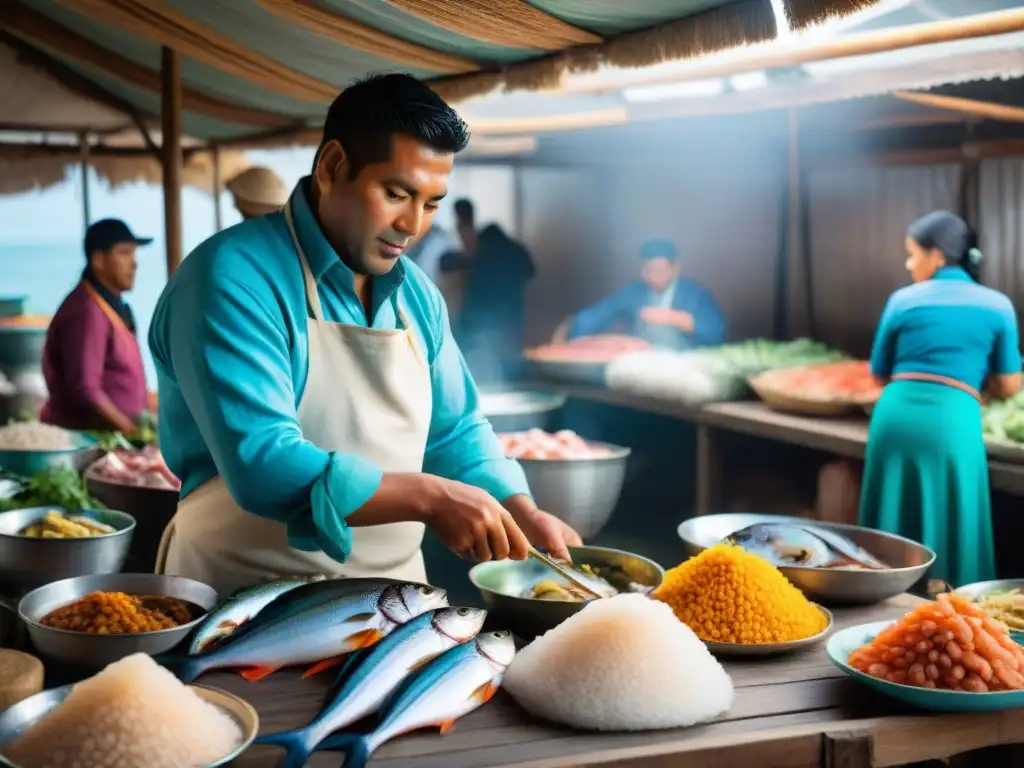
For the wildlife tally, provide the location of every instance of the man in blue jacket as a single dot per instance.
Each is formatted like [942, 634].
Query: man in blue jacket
[662, 307]
[312, 398]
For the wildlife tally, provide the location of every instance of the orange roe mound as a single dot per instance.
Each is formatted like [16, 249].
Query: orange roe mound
[951, 644]
[116, 613]
[727, 595]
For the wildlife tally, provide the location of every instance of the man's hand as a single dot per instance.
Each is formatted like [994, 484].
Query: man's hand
[683, 321]
[542, 529]
[470, 522]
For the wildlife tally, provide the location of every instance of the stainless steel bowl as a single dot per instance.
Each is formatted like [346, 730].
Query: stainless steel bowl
[27, 563]
[910, 561]
[503, 582]
[519, 410]
[27, 713]
[582, 492]
[96, 651]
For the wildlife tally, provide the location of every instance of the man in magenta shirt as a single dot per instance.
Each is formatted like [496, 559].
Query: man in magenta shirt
[92, 362]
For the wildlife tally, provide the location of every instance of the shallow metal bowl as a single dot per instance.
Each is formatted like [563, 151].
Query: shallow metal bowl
[96, 651]
[511, 410]
[910, 561]
[771, 649]
[980, 589]
[582, 492]
[503, 582]
[27, 563]
[27, 713]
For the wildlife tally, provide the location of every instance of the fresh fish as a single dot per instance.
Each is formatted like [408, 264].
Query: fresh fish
[453, 685]
[239, 608]
[314, 624]
[377, 673]
[785, 544]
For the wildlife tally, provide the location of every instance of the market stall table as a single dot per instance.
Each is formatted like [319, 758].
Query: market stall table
[794, 711]
[839, 436]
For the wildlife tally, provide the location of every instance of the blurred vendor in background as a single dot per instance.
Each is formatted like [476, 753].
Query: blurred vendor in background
[662, 307]
[491, 321]
[91, 361]
[939, 341]
[257, 192]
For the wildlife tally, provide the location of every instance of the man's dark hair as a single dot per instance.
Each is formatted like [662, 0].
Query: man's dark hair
[464, 211]
[366, 116]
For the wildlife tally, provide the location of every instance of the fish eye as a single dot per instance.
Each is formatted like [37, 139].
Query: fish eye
[424, 590]
[463, 611]
[502, 634]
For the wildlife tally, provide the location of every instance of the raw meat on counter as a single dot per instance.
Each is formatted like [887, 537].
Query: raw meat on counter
[711, 374]
[588, 349]
[538, 444]
[145, 468]
[850, 379]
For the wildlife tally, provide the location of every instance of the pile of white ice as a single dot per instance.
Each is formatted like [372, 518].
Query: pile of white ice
[621, 663]
[133, 714]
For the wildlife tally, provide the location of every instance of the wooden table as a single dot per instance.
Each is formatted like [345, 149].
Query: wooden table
[841, 437]
[794, 711]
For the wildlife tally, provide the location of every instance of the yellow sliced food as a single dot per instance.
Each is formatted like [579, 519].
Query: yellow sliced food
[94, 526]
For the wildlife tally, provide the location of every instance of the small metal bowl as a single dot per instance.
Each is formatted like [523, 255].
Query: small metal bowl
[27, 713]
[582, 492]
[910, 561]
[90, 651]
[771, 649]
[511, 410]
[503, 582]
[27, 563]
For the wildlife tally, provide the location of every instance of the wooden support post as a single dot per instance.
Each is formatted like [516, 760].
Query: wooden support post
[170, 126]
[83, 148]
[218, 187]
[795, 229]
[709, 471]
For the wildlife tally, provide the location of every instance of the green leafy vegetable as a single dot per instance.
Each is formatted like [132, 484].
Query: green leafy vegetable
[51, 487]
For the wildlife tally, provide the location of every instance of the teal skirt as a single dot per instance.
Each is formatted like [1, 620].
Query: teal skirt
[926, 477]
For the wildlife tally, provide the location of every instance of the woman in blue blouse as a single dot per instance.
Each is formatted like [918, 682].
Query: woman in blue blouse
[940, 342]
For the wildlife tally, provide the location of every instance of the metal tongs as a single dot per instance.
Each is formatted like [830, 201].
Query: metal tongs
[564, 572]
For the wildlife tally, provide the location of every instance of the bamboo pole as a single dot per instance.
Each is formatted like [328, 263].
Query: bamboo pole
[857, 44]
[984, 109]
[170, 121]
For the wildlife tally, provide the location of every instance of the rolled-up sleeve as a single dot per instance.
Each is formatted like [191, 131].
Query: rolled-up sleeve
[230, 354]
[83, 355]
[461, 444]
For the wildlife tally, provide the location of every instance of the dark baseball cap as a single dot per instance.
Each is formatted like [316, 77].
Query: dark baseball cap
[106, 233]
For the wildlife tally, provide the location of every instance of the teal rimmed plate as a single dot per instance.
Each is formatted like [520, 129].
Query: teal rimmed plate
[843, 643]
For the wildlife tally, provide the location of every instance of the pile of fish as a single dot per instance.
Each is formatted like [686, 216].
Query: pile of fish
[787, 544]
[405, 655]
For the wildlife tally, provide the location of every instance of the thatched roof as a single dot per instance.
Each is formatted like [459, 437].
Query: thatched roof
[253, 66]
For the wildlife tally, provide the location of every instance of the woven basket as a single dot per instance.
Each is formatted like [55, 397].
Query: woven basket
[789, 402]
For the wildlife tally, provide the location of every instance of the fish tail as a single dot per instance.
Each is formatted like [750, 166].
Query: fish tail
[185, 668]
[355, 746]
[296, 744]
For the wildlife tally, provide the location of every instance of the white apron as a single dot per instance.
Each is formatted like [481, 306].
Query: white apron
[367, 393]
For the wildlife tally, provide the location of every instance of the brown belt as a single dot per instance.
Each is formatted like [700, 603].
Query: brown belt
[935, 379]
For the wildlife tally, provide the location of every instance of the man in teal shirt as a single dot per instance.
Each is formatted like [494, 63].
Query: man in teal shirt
[312, 399]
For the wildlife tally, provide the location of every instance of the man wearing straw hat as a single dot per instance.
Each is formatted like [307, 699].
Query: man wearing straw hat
[312, 398]
[258, 191]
